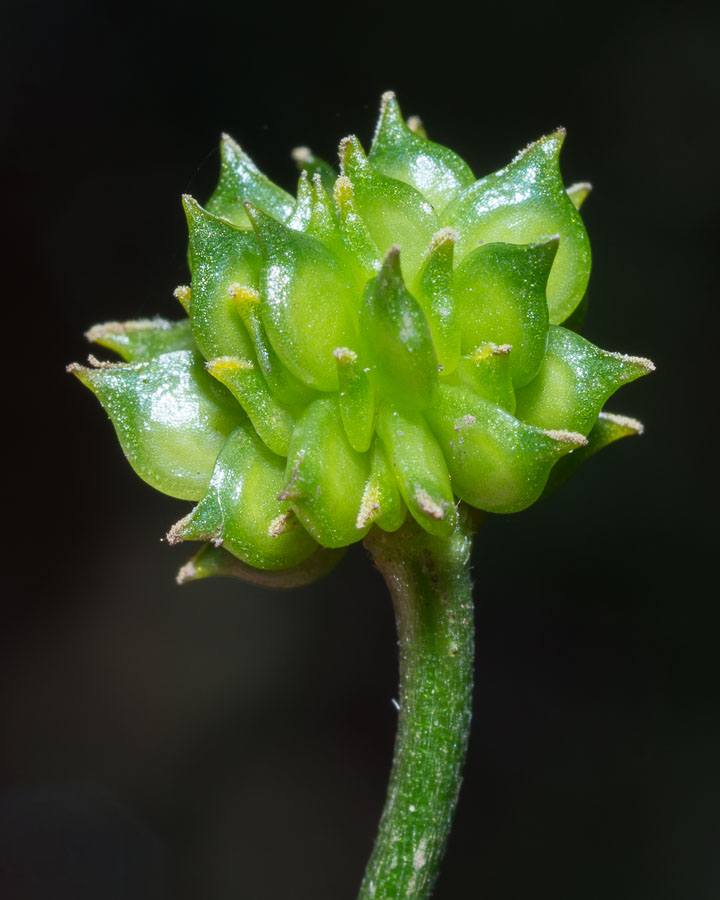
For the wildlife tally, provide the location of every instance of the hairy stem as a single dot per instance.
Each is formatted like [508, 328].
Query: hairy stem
[429, 580]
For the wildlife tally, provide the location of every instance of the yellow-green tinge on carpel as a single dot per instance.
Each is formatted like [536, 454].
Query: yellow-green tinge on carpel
[390, 341]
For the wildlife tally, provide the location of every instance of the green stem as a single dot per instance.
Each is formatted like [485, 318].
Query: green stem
[429, 580]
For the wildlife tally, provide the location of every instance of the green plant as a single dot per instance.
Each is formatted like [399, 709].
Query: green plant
[374, 359]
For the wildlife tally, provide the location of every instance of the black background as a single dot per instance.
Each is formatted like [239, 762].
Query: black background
[218, 741]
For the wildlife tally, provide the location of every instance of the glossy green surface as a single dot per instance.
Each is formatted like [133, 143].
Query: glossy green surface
[241, 510]
[574, 381]
[390, 336]
[216, 562]
[144, 339]
[313, 166]
[221, 256]
[241, 181]
[325, 477]
[419, 467]
[486, 371]
[500, 296]
[271, 421]
[496, 462]
[394, 212]
[355, 244]
[524, 203]
[356, 397]
[382, 502]
[435, 292]
[309, 302]
[170, 416]
[283, 385]
[438, 173]
[370, 359]
[397, 339]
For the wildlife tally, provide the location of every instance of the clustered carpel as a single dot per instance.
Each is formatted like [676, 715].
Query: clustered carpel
[388, 342]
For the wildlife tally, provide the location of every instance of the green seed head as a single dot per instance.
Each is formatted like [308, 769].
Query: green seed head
[389, 341]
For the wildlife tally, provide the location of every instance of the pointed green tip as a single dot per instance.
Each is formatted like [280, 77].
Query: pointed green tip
[343, 191]
[550, 144]
[80, 372]
[252, 211]
[390, 115]
[445, 236]
[392, 256]
[190, 205]
[183, 295]
[232, 152]
[345, 356]
[321, 190]
[195, 527]
[640, 364]
[569, 440]
[390, 269]
[178, 532]
[625, 425]
[195, 213]
[211, 561]
[270, 232]
[88, 374]
[352, 156]
[608, 428]
[391, 126]
[263, 223]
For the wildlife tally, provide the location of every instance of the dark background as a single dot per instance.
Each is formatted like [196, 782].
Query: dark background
[218, 741]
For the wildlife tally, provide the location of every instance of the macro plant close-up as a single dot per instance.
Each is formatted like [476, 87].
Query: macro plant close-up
[329, 570]
[385, 357]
